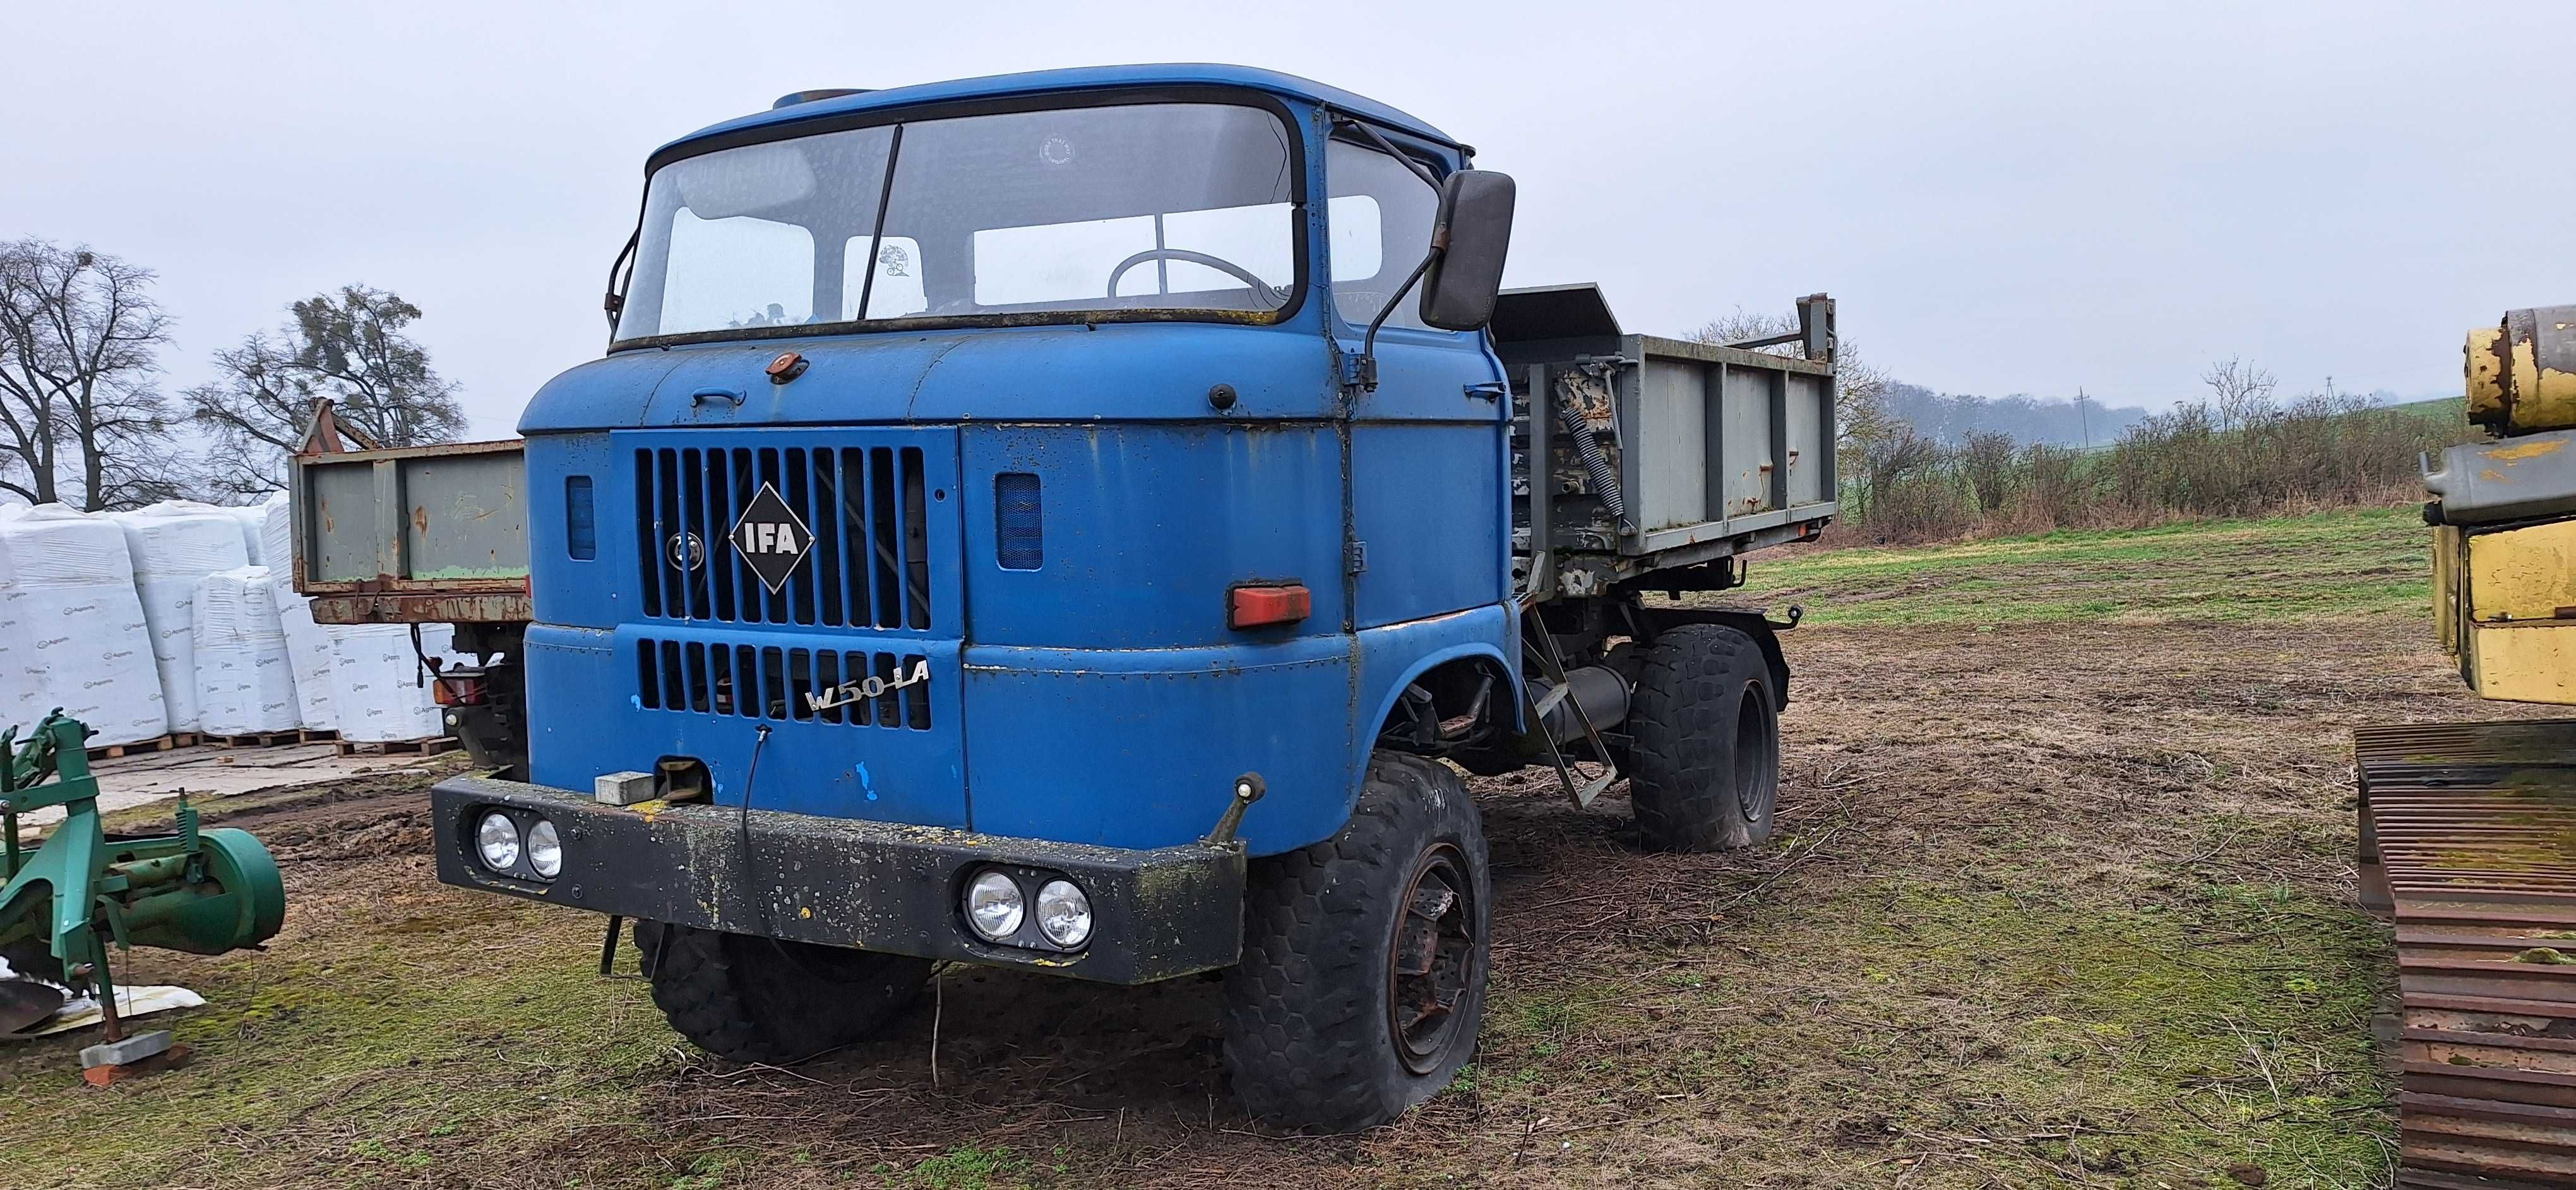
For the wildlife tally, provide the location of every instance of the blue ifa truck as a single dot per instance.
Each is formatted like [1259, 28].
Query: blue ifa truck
[1086, 522]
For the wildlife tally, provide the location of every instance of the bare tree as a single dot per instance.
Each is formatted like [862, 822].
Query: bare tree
[349, 347]
[79, 332]
[2239, 391]
[255, 413]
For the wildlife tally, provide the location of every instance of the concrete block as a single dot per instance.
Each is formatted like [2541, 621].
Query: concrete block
[132, 1049]
[622, 789]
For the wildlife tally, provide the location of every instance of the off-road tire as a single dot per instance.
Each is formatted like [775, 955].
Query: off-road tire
[1704, 762]
[1311, 1036]
[753, 999]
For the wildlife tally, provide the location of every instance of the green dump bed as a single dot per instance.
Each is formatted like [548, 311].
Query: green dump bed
[422, 534]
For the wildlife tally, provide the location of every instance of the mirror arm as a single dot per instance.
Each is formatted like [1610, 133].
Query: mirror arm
[1419, 170]
[1364, 369]
[615, 301]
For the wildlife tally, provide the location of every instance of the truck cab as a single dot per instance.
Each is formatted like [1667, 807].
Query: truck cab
[1082, 522]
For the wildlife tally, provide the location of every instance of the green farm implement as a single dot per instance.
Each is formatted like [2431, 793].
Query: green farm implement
[83, 890]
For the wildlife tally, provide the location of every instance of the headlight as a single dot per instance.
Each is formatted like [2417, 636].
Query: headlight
[498, 839]
[545, 849]
[1064, 913]
[994, 906]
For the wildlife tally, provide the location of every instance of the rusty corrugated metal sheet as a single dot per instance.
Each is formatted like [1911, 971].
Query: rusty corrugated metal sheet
[2469, 846]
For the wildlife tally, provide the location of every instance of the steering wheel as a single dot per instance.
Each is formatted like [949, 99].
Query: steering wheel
[1261, 289]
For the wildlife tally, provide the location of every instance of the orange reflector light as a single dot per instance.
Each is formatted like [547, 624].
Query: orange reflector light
[457, 692]
[1251, 607]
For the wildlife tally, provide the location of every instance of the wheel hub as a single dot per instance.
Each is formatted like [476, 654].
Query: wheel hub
[1431, 960]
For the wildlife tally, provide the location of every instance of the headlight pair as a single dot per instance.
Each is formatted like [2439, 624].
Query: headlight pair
[500, 842]
[997, 907]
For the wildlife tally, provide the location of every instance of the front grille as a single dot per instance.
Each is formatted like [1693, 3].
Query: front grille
[858, 688]
[870, 565]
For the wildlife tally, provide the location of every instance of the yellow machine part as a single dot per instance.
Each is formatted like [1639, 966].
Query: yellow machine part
[2504, 603]
[2521, 372]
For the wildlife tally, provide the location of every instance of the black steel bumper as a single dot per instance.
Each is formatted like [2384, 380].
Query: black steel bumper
[843, 882]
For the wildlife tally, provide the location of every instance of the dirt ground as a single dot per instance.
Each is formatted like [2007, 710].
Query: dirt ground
[2060, 903]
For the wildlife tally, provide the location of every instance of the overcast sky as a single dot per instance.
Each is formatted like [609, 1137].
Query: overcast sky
[2005, 197]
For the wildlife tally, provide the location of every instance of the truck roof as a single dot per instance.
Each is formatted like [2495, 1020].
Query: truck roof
[1081, 78]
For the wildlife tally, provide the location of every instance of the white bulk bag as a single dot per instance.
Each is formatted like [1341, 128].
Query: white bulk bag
[244, 683]
[379, 690]
[72, 630]
[19, 692]
[174, 544]
[277, 538]
[253, 520]
[309, 652]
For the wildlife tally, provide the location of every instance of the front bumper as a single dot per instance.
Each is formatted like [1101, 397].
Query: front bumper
[848, 882]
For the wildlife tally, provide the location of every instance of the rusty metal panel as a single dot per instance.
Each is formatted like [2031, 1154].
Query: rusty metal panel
[465, 517]
[422, 609]
[440, 531]
[2466, 833]
[335, 510]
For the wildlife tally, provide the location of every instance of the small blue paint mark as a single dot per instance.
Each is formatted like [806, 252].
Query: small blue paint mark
[636, 701]
[865, 782]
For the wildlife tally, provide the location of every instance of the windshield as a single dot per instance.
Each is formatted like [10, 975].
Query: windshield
[1161, 207]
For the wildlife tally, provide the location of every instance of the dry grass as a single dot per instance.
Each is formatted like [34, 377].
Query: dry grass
[2056, 901]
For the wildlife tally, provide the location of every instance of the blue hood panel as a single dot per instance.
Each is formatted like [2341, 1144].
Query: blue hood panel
[1116, 371]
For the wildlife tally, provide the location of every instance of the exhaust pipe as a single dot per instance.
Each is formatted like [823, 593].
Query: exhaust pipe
[1598, 689]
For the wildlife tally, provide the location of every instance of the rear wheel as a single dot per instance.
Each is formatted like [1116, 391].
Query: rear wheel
[764, 1000]
[1364, 958]
[1704, 761]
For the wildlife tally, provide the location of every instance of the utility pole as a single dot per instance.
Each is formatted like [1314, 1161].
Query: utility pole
[2083, 419]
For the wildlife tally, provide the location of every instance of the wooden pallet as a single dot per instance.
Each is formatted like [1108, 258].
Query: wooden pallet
[430, 746]
[318, 735]
[255, 739]
[139, 747]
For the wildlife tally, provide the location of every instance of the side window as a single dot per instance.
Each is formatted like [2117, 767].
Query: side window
[1381, 215]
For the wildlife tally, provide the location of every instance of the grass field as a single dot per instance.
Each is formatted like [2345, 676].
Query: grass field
[2062, 896]
[2368, 562]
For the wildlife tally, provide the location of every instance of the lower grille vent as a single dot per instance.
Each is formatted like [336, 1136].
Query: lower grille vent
[862, 689]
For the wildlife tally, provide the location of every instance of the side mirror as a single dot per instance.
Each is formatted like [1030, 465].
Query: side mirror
[1468, 243]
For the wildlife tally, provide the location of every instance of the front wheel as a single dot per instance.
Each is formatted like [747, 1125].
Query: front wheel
[1364, 958]
[764, 1000]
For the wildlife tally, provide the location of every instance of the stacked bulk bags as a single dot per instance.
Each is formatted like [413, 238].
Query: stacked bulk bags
[19, 692]
[244, 684]
[73, 633]
[175, 545]
[379, 688]
[309, 646]
[254, 522]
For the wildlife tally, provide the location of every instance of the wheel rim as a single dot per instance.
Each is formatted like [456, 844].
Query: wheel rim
[1757, 755]
[1431, 963]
